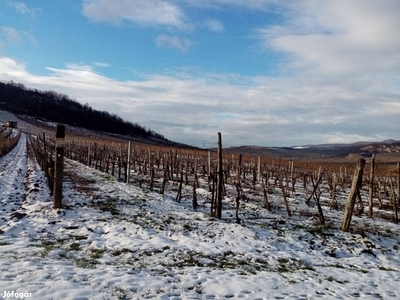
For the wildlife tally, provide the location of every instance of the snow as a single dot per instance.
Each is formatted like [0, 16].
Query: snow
[117, 241]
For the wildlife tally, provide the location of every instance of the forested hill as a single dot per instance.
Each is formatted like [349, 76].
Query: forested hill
[56, 107]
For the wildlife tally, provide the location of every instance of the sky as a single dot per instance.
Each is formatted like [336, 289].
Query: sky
[261, 72]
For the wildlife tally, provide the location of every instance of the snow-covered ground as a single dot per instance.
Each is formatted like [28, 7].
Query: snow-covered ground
[118, 241]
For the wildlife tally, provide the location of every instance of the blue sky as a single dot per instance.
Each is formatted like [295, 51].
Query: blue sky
[262, 72]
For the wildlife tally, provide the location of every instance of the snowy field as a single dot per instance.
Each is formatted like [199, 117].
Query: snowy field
[118, 241]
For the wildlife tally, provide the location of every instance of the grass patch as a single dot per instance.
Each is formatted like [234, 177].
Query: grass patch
[227, 253]
[96, 253]
[86, 263]
[187, 227]
[362, 271]
[387, 269]
[63, 254]
[79, 237]
[47, 246]
[321, 230]
[75, 247]
[108, 205]
[4, 243]
[121, 293]
[118, 252]
[287, 265]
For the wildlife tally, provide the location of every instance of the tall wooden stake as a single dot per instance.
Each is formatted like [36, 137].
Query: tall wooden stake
[128, 173]
[59, 166]
[218, 210]
[209, 162]
[239, 169]
[357, 180]
[398, 182]
[371, 186]
[88, 155]
[194, 201]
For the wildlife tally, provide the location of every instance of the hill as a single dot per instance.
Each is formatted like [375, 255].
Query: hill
[50, 106]
[388, 151]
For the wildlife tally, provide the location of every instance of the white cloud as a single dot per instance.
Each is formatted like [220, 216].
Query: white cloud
[14, 37]
[11, 35]
[265, 111]
[166, 41]
[165, 12]
[142, 12]
[215, 25]
[338, 37]
[101, 64]
[340, 79]
[23, 9]
[248, 4]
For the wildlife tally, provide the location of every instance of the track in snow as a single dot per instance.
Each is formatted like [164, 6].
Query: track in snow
[19, 177]
[13, 168]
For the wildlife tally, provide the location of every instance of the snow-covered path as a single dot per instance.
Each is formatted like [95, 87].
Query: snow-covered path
[13, 171]
[117, 241]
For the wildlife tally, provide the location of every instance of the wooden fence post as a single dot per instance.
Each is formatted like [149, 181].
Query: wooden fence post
[239, 169]
[218, 210]
[59, 166]
[394, 201]
[128, 172]
[88, 154]
[398, 182]
[371, 186]
[194, 201]
[357, 180]
[209, 162]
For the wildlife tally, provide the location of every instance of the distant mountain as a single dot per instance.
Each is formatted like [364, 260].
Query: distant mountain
[388, 150]
[59, 108]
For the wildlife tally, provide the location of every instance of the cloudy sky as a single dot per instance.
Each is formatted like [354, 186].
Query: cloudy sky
[261, 72]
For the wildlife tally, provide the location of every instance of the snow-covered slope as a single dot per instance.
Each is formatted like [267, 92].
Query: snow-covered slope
[118, 241]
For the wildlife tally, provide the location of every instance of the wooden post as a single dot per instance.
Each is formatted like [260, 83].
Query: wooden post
[220, 179]
[283, 188]
[120, 162]
[179, 195]
[165, 178]
[394, 201]
[333, 194]
[259, 170]
[371, 186]
[128, 174]
[239, 169]
[194, 201]
[45, 163]
[357, 180]
[151, 177]
[59, 166]
[213, 204]
[88, 157]
[398, 182]
[209, 162]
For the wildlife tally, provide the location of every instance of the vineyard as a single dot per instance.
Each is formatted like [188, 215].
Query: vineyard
[146, 222]
[207, 177]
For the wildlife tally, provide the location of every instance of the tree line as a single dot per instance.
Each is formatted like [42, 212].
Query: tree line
[57, 107]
